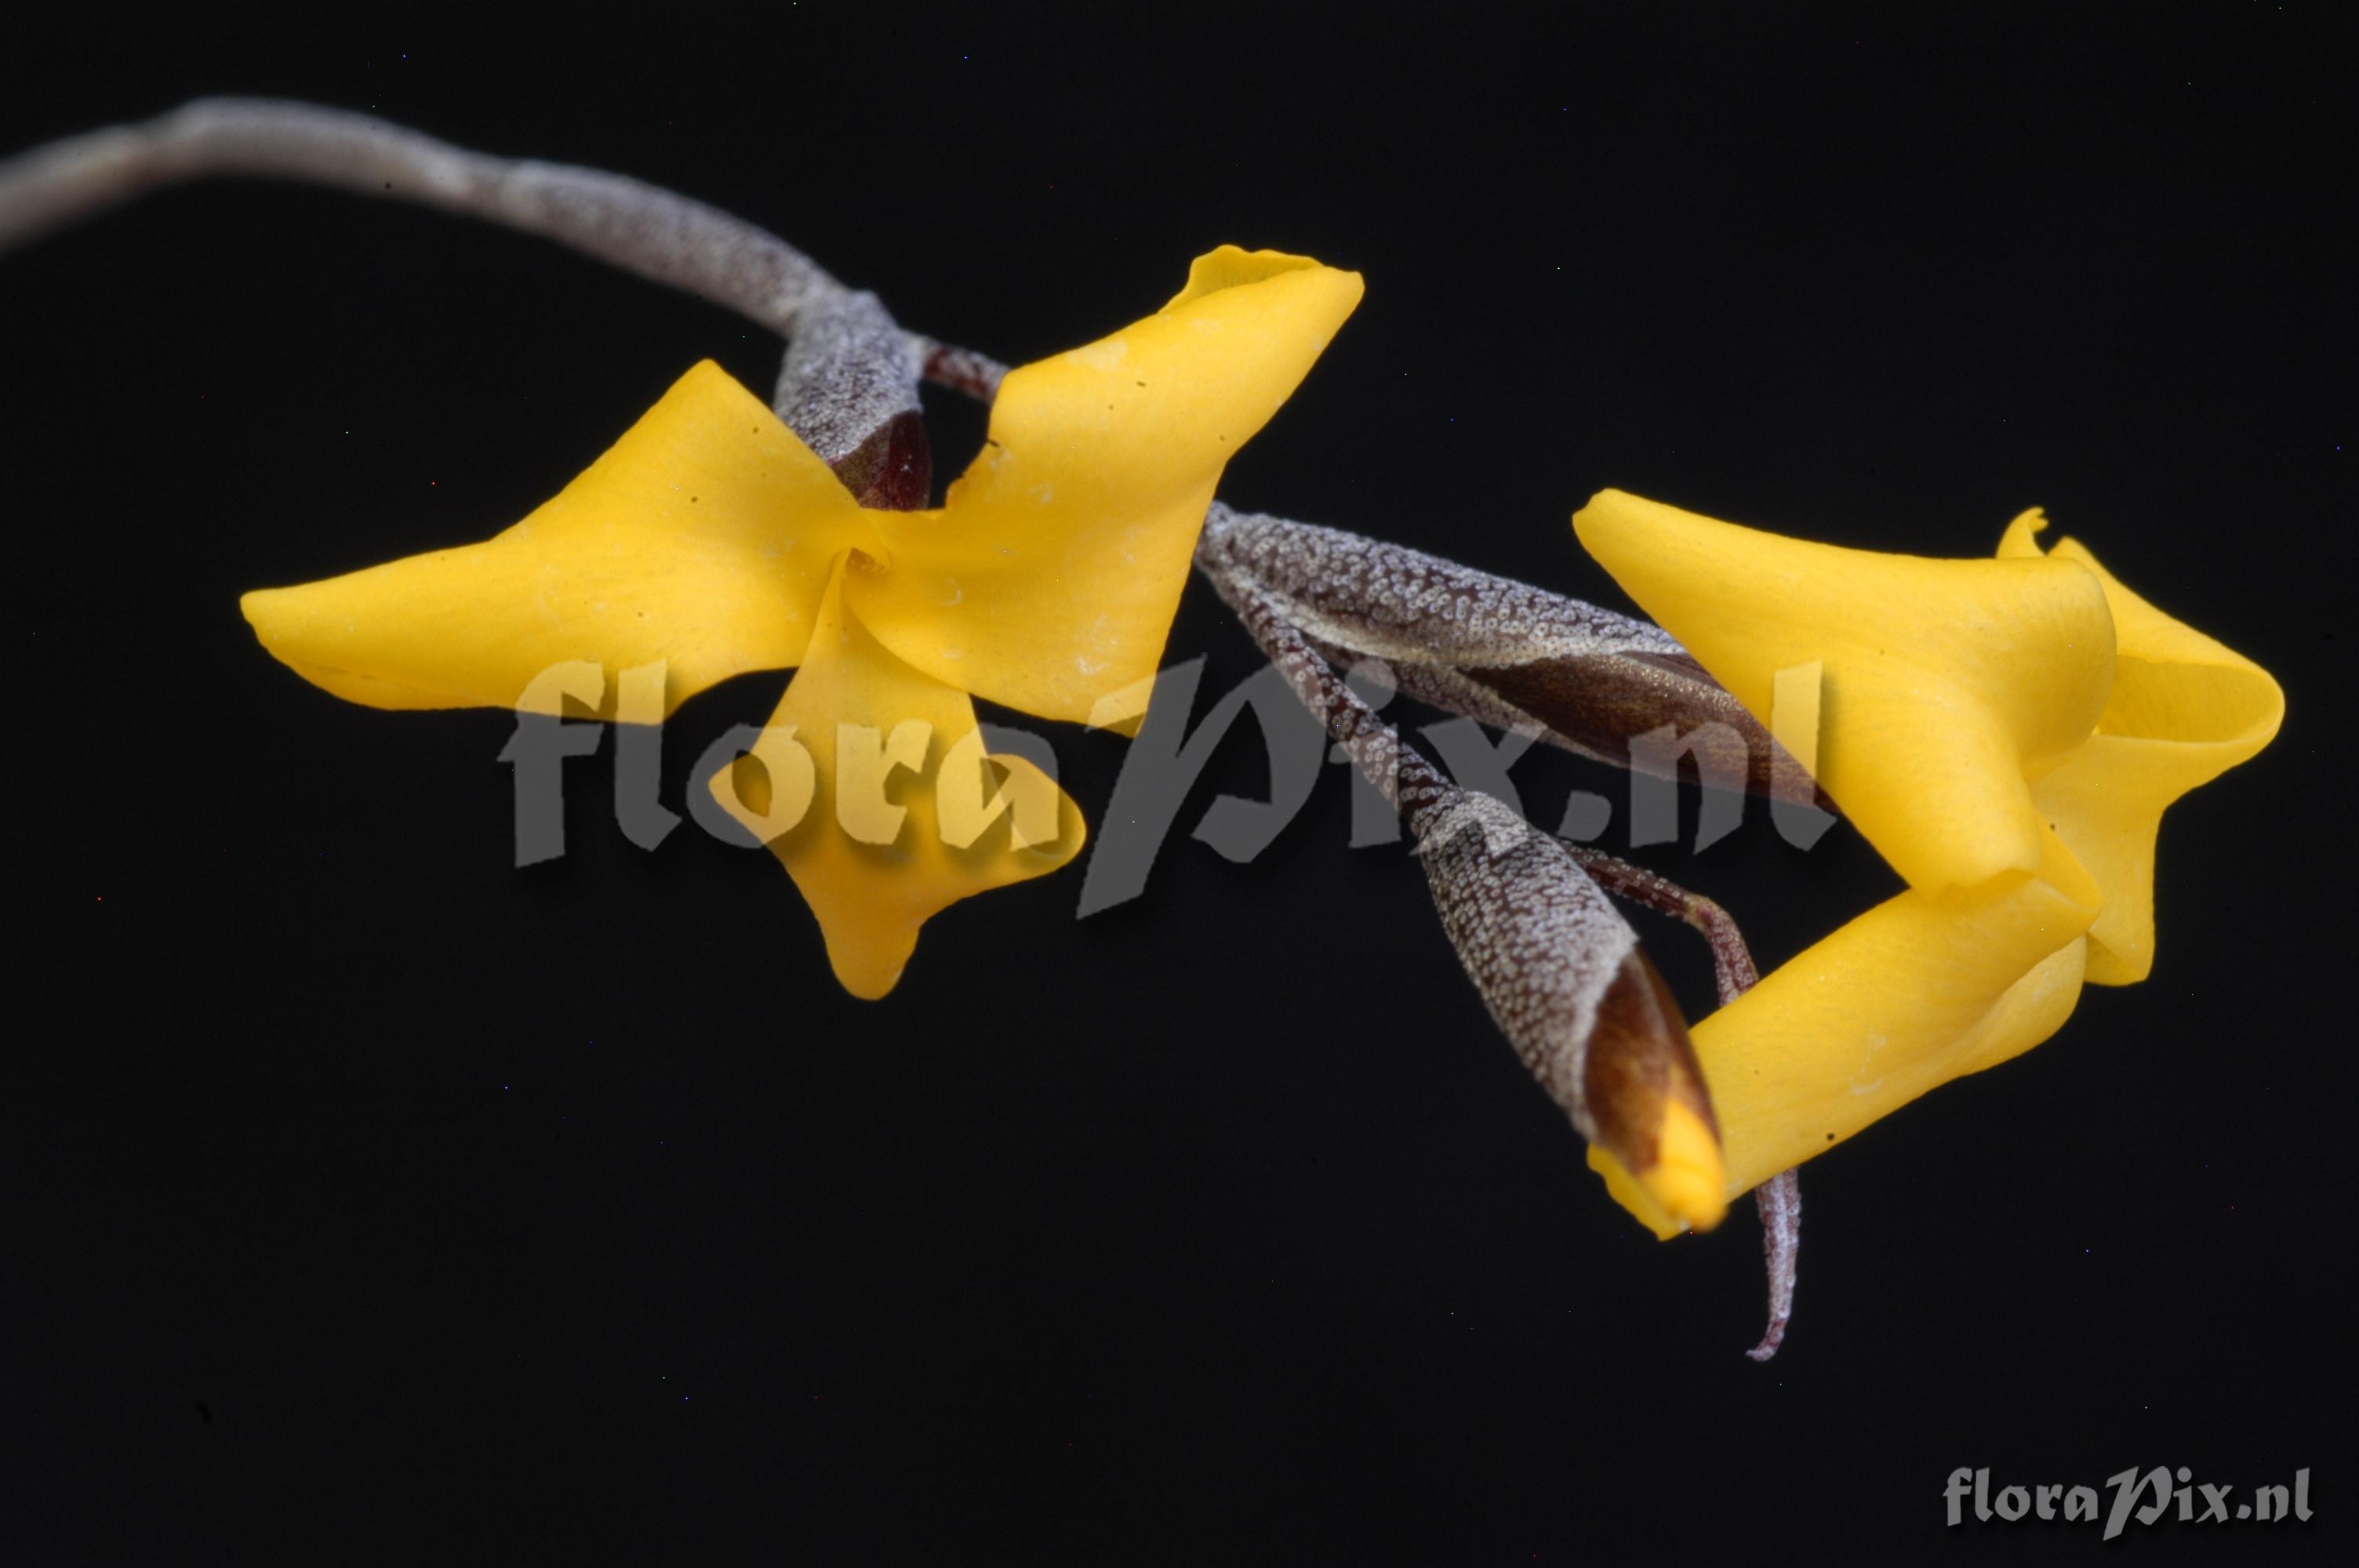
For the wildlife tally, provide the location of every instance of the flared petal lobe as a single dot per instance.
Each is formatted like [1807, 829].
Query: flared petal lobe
[1049, 578]
[1946, 684]
[874, 851]
[2184, 709]
[701, 539]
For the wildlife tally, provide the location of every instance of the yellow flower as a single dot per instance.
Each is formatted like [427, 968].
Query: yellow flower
[710, 541]
[2005, 732]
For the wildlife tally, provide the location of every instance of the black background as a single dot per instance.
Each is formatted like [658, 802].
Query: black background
[365, 1194]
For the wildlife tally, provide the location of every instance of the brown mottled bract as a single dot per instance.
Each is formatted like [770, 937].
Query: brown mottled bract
[893, 469]
[1640, 1060]
[1547, 951]
[849, 372]
[1595, 704]
[1500, 652]
[1548, 954]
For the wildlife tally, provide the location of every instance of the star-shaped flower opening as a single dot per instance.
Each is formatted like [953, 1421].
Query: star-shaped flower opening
[710, 541]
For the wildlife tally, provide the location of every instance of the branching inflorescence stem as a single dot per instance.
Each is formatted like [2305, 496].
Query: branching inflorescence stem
[1558, 967]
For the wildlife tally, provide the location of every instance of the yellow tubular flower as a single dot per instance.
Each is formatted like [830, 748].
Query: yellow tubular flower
[710, 541]
[1945, 683]
[2004, 732]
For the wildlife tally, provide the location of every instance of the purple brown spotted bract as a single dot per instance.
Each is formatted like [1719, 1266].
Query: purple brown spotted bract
[1504, 652]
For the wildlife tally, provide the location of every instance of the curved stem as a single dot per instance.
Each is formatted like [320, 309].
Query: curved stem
[1731, 962]
[640, 228]
[1780, 1201]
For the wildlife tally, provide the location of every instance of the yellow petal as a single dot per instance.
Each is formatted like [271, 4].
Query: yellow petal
[1920, 989]
[2184, 709]
[2027, 1012]
[889, 762]
[1946, 683]
[1050, 578]
[701, 539]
